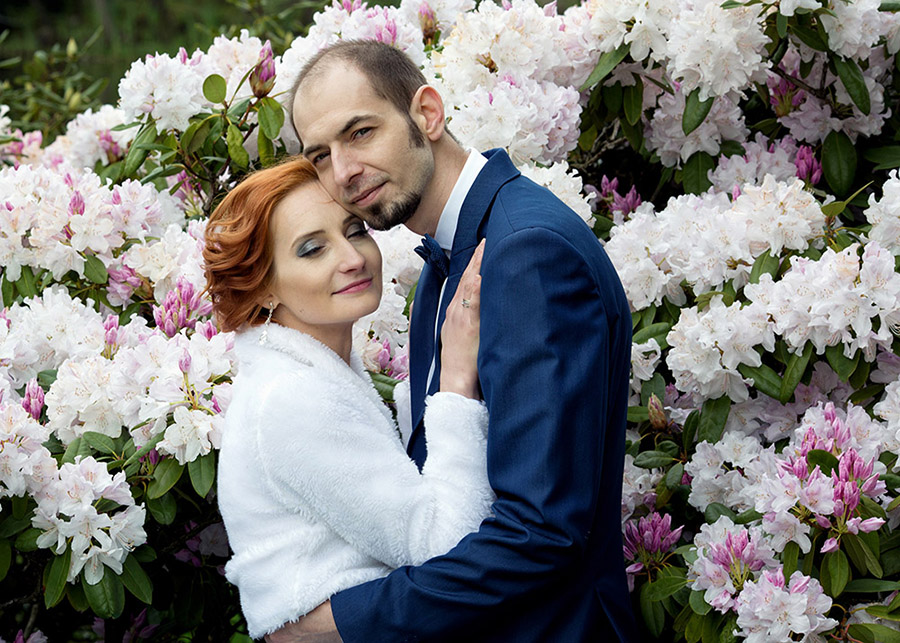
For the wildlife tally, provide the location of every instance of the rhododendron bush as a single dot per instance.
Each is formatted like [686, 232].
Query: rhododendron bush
[737, 160]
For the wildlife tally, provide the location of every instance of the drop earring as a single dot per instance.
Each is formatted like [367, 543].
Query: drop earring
[265, 333]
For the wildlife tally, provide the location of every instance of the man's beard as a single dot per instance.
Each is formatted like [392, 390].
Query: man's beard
[388, 215]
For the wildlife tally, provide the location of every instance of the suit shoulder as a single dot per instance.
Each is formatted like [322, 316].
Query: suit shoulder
[522, 203]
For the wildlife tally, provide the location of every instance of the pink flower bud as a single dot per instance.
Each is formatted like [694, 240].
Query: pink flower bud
[871, 524]
[262, 78]
[657, 413]
[829, 545]
[185, 362]
[823, 522]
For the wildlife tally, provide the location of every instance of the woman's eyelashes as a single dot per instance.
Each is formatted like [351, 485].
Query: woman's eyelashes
[309, 248]
[313, 247]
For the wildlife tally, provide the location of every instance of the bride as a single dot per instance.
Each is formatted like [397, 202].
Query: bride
[314, 483]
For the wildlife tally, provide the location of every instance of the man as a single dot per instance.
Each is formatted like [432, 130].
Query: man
[553, 364]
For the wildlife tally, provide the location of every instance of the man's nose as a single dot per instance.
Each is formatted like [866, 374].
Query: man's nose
[345, 167]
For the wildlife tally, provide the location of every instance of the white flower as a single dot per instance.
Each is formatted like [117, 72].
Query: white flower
[169, 90]
[192, 434]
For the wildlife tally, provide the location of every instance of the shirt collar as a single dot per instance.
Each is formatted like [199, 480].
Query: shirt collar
[446, 228]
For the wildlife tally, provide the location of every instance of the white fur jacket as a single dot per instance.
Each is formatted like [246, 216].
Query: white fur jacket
[315, 487]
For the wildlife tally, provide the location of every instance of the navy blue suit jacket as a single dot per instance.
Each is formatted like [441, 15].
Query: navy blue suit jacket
[554, 365]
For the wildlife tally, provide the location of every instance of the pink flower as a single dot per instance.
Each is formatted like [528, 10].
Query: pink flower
[262, 78]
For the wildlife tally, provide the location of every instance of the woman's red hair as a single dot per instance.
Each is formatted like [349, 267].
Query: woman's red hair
[238, 254]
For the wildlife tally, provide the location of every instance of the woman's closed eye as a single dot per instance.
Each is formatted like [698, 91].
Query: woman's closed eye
[309, 249]
[357, 230]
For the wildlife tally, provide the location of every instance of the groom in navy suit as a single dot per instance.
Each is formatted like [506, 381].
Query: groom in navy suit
[553, 365]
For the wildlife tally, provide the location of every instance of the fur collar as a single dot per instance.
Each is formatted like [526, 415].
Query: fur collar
[312, 353]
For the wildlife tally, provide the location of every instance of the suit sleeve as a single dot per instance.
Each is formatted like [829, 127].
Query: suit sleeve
[544, 368]
[322, 455]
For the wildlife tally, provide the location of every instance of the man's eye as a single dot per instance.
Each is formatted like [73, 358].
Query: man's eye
[318, 158]
[361, 132]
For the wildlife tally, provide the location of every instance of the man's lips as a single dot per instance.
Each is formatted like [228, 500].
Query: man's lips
[366, 197]
[356, 286]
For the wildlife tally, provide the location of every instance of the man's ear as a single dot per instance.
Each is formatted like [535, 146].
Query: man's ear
[428, 112]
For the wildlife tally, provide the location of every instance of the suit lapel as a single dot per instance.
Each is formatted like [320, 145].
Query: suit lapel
[498, 170]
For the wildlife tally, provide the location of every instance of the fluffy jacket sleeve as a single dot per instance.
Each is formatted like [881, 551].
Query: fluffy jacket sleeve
[331, 455]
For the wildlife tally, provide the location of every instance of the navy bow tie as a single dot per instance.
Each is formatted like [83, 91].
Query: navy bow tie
[434, 255]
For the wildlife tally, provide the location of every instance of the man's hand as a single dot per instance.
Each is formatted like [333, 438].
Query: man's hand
[316, 627]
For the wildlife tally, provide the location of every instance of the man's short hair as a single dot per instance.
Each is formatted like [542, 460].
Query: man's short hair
[392, 75]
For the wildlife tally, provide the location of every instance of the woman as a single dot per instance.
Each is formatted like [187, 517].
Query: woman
[315, 487]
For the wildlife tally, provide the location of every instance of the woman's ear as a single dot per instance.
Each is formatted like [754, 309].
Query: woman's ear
[428, 112]
[267, 301]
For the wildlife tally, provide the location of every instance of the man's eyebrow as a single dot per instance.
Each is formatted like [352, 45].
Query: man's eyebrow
[349, 125]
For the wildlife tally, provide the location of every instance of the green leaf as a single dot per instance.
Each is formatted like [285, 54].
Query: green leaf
[100, 442]
[5, 557]
[165, 476]
[77, 599]
[839, 162]
[162, 172]
[106, 598]
[796, 367]
[12, 525]
[26, 285]
[698, 603]
[713, 417]
[827, 461]
[842, 365]
[885, 158]
[695, 111]
[163, 509]
[689, 430]
[27, 540]
[809, 37]
[266, 149]
[605, 65]
[674, 476]
[879, 633]
[854, 82]
[46, 378]
[56, 578]
[781, 25]
[195, 136]
[236, 149]
[764, 264]
[271, 117]
[871, 586]
[750, 515]
[731, 148]
[384, 384]
[653, 612]
[214, 88]
[789, 558]
[8, 290]
[695, 175]
[764, 379]
[653, 459]
[861, 555]
[136, 580]
[835, 573]
[137, 153]
[663, 587]
[716, 510]
[656, 331]
[203, 473]
[633, 101]
[882, 611]
[638, 414]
